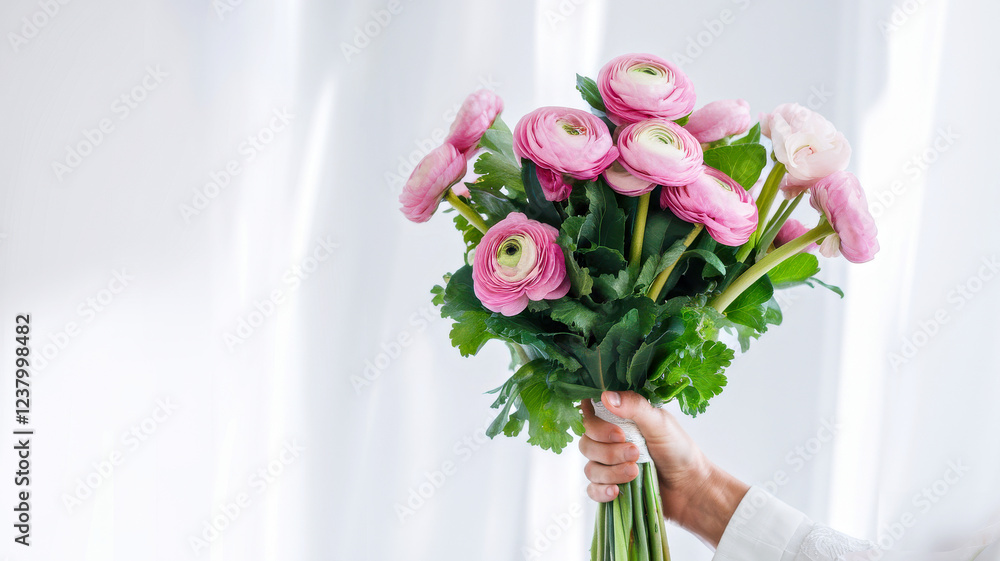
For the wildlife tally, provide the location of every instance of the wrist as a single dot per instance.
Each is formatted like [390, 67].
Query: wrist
[705, 506]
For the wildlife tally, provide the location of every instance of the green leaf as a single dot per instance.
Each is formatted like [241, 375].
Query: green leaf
[592, 95]
[794, 271]
[752, 136]
[496, 207]
[613, 287]
[575, 314]
[830, 287]
[712, 261]
[603, 259]
[470, 334]
[470, 234]
[605, 222]
[550, 415]
[704, 373]
[655, 265]
[538, 208]
[496, 172]
[499, 140]
[742, 162]
[748, 308]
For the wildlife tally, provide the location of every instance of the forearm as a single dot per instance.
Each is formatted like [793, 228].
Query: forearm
[706, 508]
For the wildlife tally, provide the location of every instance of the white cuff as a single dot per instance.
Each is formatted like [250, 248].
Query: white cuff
[763, 529]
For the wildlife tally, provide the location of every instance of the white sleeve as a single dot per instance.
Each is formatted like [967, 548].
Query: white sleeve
[765, 529]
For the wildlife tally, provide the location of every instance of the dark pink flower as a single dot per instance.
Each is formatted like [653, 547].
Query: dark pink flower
[517, 261]
[637, 87]
[443, 167]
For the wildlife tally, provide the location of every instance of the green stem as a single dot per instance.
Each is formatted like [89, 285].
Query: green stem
[654, 291]
[466, 211]
[657, 540]
[775, 225]
[764, 201]
[639, 230]
[770, 261]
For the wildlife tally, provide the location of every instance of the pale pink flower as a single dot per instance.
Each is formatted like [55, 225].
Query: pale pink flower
[475, 117]
[434, 175]
[807, 144]
[654, 152]
[720, 119]
[637, 87]
[517, 261]
[717, 201]
[840, 198]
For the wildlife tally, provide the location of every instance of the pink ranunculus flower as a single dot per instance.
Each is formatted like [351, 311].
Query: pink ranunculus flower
[517, 261]
[791, 187]
[720, 119]
[443, 167]
[654, 152]
[564, 141]
[809, 146]
[637, 87]
[717, 201]
[840, 198]
[474, 118]
[790, 230]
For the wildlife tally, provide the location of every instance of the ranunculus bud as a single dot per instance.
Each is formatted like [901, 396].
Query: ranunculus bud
[839, 196]
[807, 144]
[720, 119]
[474, 118]
[637, 87]
[654, 152]
[717, 201]
[443, 167]
[564, 141]
[517, 261]
[790, 230]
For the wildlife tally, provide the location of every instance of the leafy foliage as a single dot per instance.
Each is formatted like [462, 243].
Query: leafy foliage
[607, 333]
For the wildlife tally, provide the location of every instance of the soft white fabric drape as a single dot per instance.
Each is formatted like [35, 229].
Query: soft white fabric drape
[285, 309]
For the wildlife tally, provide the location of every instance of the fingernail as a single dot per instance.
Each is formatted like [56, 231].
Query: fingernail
[611, 491]
[632, 454]
[614, 399]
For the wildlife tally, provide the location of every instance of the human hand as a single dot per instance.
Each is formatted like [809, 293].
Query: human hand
[695, 493]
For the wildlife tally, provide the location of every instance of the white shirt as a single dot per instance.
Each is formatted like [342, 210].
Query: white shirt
[765, 529]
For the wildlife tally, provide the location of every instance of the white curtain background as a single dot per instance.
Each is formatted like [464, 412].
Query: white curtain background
[232, 334]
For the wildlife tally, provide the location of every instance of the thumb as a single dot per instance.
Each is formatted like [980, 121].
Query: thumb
[630, 405]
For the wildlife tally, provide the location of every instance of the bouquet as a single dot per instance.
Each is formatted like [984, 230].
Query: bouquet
[610, 248]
